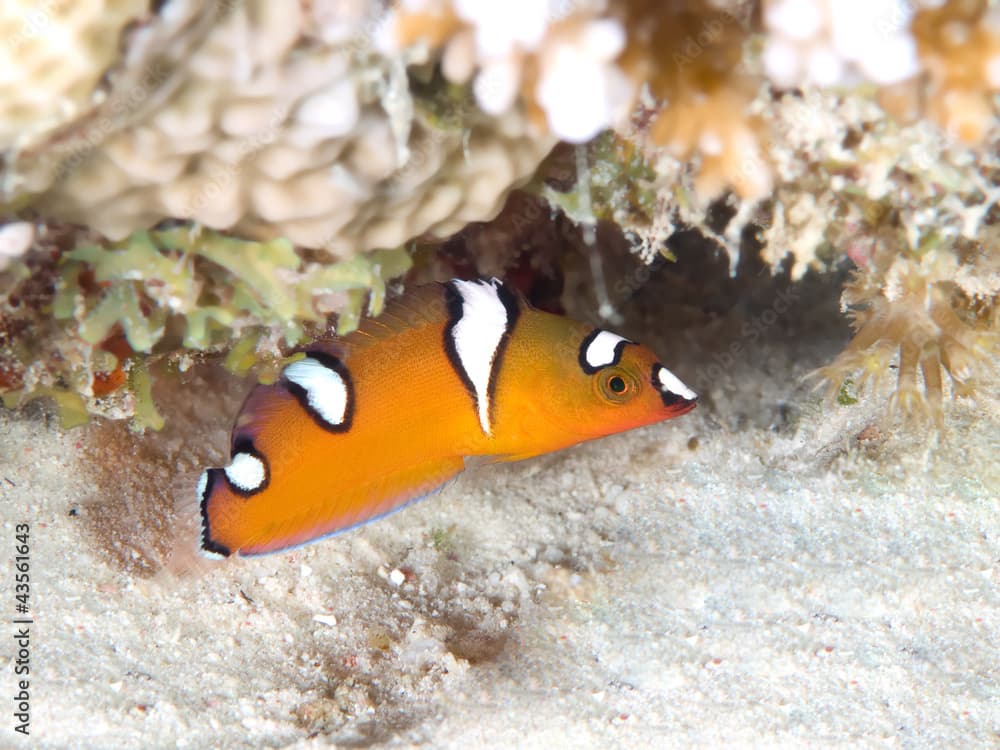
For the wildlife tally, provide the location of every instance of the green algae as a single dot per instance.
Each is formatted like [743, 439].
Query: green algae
[140, 383]
[187, 289]
[620, 185]
[120, 306]
[242, 357]
[845, 394]
[216, 284]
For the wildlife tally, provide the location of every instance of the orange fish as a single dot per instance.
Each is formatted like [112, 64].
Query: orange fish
[363, 424]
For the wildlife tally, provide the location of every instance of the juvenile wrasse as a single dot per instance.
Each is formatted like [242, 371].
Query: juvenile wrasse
[365, 423]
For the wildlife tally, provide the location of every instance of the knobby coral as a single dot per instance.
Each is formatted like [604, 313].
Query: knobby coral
[53, 56]
[268, 121]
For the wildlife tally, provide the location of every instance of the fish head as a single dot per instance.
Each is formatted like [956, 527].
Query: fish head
[570, 383]
[625, 385]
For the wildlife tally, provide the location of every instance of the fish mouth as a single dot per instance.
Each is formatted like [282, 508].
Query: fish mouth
[676, 396]
[678, 405]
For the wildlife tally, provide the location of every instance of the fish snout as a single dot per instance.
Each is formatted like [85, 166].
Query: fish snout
[674, 393]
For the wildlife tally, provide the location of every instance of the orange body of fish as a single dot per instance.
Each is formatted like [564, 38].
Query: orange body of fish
[363, 424]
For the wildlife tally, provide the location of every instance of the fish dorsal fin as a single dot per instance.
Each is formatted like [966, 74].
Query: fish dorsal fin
[416, 307]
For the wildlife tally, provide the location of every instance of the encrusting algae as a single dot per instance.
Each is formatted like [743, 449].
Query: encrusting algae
[224, 177]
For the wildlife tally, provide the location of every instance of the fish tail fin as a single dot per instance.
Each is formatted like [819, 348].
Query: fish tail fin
[212, 493]
[194, 551]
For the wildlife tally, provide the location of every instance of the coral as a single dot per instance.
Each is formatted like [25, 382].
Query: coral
[909, 305]
[941, 59]
[560, 55]
[70, 407]
[846, 173]
[38, 359]
[959, 46]
[693, 57]
[341, 128]
[579, 69]
[915, 212]
[53, 55]
[831, 43]
[212, 282]
[609, 179]
[272, 122]
[693, 83]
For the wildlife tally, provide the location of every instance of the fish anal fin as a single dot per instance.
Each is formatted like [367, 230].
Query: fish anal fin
[282, 516]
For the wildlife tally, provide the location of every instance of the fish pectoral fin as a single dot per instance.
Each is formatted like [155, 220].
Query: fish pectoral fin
[472, 462]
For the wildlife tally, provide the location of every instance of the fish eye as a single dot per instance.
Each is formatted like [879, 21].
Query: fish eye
[616, 385]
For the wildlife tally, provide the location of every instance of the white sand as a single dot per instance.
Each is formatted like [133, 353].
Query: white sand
[767, 587]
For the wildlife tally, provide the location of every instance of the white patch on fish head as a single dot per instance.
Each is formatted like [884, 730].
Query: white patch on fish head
[671, 384]
[601, 349]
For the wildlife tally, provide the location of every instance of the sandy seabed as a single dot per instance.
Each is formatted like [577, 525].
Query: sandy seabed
[751, 574]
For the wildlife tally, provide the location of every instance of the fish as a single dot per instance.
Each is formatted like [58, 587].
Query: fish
[358, 426]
